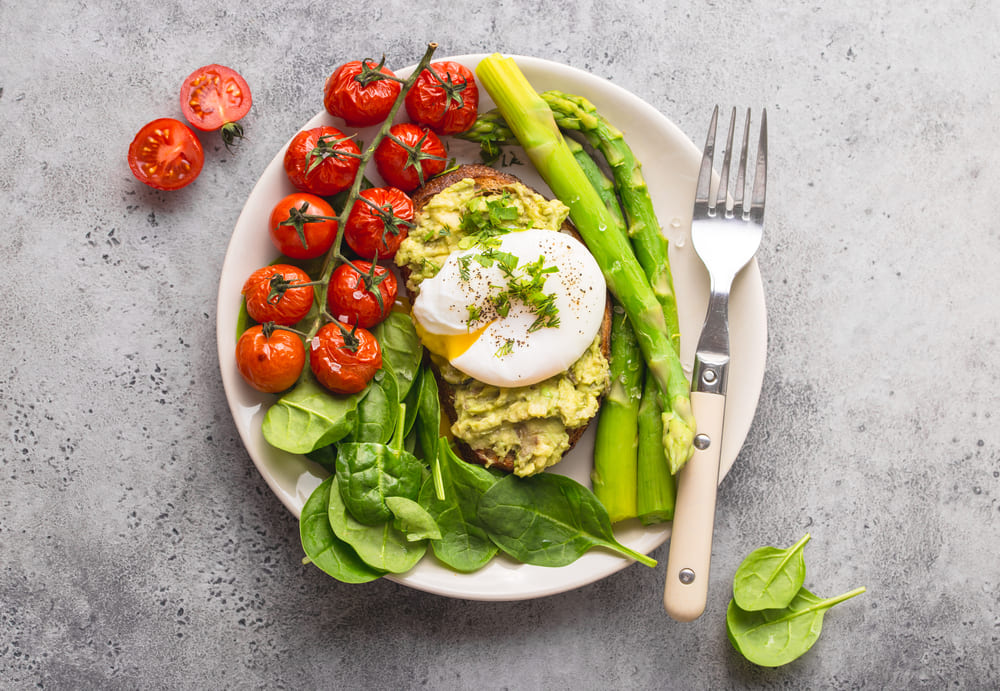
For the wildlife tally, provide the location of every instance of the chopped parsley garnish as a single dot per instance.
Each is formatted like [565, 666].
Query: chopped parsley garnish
[506, 349]
[525, 283]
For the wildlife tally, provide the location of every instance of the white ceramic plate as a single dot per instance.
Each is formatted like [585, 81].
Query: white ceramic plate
[670, 164]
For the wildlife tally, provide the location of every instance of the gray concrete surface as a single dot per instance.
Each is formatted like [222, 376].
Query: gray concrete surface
[139, 547]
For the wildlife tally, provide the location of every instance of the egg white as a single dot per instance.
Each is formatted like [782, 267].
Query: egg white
[502, 350]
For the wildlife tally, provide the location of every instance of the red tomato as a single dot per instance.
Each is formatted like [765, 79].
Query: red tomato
[378, 222]
[409, 156]
[358, 95]
[351, 296]
[303, 226]
[270, 300]
[446, 100]
[214, 97]
[270, 361]
[166, 154]
[322, 161]
[344, 360]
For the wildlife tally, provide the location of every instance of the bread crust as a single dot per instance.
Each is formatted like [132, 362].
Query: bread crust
[491, 180]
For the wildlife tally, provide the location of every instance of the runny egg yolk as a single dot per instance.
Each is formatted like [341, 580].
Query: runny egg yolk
[449, 346]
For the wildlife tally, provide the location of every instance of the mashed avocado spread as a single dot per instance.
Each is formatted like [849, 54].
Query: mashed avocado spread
[530, 421]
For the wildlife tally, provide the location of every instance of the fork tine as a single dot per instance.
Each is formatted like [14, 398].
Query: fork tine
[741, 172]
[705, 173]
[760, 172]
[723, 193]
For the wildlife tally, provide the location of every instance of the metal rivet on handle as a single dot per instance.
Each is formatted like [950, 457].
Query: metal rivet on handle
[686, 576]
[702, 441]
[708, 376]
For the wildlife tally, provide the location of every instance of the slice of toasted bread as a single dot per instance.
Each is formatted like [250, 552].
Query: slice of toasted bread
[491, 180]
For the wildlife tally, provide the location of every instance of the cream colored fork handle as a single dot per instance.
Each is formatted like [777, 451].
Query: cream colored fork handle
[684, 597]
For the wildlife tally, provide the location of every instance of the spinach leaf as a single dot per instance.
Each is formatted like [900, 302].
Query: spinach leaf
[412, 519]
[548, 520]
[326, 456]
[309, 416]
[773, 637]
[378, 411]
[429, 426]
[412, 402]
[380, 546]
[370, 472]
[769, 577]
[400, 347]
[464, 544]
[323, 548]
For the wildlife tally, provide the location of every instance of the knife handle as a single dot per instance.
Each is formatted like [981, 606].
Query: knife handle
[690, 553]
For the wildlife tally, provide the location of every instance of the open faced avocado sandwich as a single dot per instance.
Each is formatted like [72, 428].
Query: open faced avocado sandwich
[514, 313]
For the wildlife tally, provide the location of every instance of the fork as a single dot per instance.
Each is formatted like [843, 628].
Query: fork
[726, 238]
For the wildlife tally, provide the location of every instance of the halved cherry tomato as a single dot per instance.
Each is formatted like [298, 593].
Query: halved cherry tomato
[303, 226]
[270, 360]
[272, 297]
[378, 222]
[358, 95]
[322, 161]
[351, 296]
[410, 156]
[214, 97]
[444, 97]
[343, 359]
[166, 154]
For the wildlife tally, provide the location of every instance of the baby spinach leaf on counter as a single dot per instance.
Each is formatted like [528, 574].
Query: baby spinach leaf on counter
[323, 548]
[464, 544]
[379, 410]
[309, 416]
[413, 520]
[380, 546]
[368, 473]
[773, 637]
[429, 426]
[401, 347]
[770, 577]
[548, 520]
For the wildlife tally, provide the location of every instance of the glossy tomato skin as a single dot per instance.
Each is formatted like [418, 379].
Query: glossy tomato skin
[336, 170]
[366, 231]
[214, 95]
[270, 363]
[427, 101]
[319, 234]
[290, 308]
[392, 160]
[350, 301]
[342, 368]
[166, 154]
[358, 104]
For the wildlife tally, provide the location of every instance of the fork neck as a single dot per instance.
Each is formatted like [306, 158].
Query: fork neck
[711, 361]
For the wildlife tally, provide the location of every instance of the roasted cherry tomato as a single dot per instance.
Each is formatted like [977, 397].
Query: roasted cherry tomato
[444, 97]
[272, 297]
[214, 97]
[166, 154]
[322, 161]
[378, 222]
[270, 360]
[358, 95]
[303, 226]
[352, 298]
[344, 359]
[410, 156]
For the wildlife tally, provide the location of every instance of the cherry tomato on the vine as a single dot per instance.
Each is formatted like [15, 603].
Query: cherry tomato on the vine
[214, 97]
[344, 359]
[303, 226]
[444, 97]
[364, 298]
[378, 222]
[270, 360]
[409, 156]
[166, 154]
[271, 294]
[358, 95]
[322, 161]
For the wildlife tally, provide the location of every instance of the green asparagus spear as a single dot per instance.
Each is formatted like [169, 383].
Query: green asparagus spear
[531, 120]
[656, 487]
[598, 180]
[616, 444]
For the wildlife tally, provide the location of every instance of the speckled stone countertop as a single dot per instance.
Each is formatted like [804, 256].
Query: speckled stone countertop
[139, 546]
